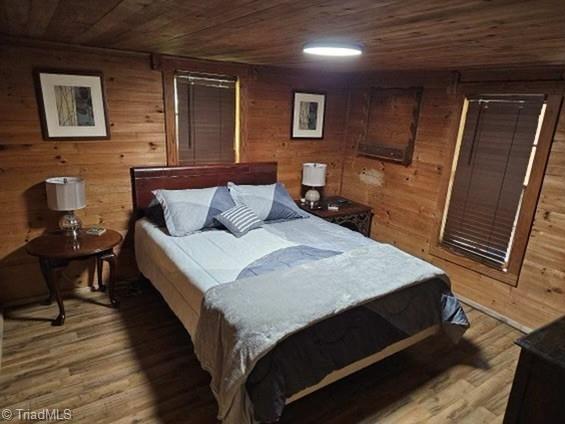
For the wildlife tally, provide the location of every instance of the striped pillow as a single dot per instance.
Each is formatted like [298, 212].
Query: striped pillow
[239, 220]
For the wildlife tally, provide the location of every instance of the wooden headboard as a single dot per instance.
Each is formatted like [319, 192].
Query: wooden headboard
[146, 179]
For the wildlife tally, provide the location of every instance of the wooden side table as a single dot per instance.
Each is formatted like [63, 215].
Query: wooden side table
[353, 215]
[56, 250]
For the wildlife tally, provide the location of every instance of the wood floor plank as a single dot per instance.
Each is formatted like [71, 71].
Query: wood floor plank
[137, 365]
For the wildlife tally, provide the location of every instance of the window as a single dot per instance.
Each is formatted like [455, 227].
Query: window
[496, 148]
[205, 118]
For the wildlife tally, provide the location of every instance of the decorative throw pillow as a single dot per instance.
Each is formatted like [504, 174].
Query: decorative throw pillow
[191, 210]
[269, 202]
[239, 220]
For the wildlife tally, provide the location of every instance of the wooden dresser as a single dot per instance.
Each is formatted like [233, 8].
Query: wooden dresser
[538, 391]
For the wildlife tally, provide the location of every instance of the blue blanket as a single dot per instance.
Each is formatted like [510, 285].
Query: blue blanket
[285, 258]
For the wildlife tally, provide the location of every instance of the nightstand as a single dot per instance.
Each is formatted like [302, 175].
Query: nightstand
[56, 250]
[353, 215]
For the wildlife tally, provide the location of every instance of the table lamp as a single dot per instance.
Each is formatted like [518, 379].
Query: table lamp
[313, 176]
[66, 194]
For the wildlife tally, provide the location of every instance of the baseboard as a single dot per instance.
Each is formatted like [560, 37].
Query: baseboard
[25, 301]
[39, 298]
[495, 315]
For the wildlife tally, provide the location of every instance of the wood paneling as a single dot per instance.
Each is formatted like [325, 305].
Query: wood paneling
[136, 112]
[404, 199]
[396, 33]
[268, 97]
[265, 107]
[407, 207]
[136, 364]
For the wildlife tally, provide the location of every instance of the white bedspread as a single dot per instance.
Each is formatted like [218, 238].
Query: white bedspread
[184, 268]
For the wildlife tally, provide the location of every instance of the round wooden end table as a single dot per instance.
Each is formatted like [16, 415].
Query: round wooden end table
[56, 250]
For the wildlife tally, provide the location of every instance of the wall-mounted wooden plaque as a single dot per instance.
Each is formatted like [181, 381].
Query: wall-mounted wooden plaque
[392, 122]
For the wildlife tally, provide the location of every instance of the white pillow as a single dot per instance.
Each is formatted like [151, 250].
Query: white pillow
[269, 202]
[187, 211]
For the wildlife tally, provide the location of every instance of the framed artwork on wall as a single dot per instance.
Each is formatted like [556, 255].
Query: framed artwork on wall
[72, 105]
[308, 110]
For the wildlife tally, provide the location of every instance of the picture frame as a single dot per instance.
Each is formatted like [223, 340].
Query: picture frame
[72, 104]
[308, 115]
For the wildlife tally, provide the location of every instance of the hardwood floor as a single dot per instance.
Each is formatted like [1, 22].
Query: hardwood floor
[136, 364]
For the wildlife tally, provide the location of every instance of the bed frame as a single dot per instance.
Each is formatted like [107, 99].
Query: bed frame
[146, 179]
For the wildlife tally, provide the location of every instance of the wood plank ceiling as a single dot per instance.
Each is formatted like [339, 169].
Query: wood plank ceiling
[398, 34]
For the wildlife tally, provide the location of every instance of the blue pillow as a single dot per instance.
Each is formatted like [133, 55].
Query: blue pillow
[269, 202]
[239, 220]
[191, 210]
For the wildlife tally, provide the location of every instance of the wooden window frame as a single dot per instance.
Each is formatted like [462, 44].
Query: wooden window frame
[531, 193]
[190, 97]
[169, 67]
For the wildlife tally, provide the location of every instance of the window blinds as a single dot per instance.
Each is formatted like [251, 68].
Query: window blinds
[205, 107]
[497, 142]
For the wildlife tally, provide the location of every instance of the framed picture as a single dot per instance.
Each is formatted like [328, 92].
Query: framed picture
[72, 105]
[308, 110]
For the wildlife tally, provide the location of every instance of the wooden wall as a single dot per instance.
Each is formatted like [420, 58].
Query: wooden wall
[405, 199]
[136, 112]
[268, 97]
[135, 109]
[266, 108]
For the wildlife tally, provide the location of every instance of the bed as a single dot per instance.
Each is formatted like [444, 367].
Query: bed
[190, 271]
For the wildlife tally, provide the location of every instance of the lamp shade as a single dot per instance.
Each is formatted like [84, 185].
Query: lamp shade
[65, 193]
[314, 174]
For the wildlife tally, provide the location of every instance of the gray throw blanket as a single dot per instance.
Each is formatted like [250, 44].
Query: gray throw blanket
[242, 321]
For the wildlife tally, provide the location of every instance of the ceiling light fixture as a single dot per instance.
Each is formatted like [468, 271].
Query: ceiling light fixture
[333, 49]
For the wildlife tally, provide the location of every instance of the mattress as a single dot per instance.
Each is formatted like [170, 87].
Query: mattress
[184, 268]
[187, 270]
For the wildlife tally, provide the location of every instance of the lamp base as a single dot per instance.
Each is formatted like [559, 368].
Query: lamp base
[312, 197]
[70, 224]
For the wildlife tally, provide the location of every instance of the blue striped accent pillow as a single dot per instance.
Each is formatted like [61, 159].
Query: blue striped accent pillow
[239, 220]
